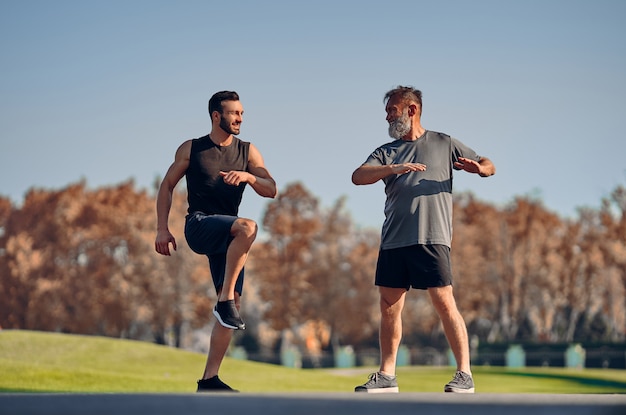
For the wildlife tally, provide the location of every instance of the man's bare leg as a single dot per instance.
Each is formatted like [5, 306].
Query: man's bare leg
[244, 233]
[220, 340]
[390, 335]
[453, 325]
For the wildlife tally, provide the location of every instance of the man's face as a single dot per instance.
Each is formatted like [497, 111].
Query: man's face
[398, 118]
[231, 117]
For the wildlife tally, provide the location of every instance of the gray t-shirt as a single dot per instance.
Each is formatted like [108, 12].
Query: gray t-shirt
[418, 209]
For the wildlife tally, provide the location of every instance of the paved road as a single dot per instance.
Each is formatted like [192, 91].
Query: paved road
[311, 404]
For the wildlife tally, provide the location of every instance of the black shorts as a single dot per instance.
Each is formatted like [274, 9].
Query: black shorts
[417, 266]
[210, 235]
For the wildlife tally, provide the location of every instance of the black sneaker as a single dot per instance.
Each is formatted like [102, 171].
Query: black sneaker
[461, 383]
[228, 316]
[379, 383]
[213, 384]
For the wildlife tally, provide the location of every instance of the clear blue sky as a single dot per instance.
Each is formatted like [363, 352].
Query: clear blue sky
[106, 91]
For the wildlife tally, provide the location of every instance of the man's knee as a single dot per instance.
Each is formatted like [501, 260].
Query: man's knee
[246, 228]
[391, 300]
[443, 300]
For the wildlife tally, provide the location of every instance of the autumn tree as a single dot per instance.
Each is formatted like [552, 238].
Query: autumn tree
[282, 265]
[82, 261]
[345, 298]
[477, 266]
[315, 266]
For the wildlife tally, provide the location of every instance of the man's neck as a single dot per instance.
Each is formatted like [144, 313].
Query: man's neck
[415, 133]
[220, 137]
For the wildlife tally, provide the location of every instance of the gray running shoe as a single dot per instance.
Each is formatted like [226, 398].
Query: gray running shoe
[379, 383]
[461, 383]
[228, 316]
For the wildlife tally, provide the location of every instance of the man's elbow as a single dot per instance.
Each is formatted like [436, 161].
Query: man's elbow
[271, 193]
[360, 179]
[357, 179]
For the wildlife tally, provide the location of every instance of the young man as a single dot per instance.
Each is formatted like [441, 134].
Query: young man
[417, 233]
[217, 168]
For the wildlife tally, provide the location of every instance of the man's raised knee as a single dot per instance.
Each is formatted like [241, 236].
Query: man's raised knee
[246, 228]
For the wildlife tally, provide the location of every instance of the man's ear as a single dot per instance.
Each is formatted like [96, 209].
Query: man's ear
[215, 115]
[413, 109]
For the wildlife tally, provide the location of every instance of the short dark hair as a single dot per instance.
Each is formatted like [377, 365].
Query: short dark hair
[215, 103]
[408, 93]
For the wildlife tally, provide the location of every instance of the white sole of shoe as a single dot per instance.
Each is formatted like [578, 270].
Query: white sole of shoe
[455, 390]
[383, 390]
[219, 319]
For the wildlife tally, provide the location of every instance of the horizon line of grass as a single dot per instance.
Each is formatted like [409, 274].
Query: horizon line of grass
[35, 362]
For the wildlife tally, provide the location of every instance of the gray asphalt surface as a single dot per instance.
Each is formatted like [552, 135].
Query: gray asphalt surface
[311, 403]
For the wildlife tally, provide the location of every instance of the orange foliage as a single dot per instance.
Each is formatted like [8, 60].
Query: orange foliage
[82, 261]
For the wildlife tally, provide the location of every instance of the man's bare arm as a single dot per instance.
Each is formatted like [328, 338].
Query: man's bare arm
[366, 174]
[257, 175]
[164, 198]
[483, 167]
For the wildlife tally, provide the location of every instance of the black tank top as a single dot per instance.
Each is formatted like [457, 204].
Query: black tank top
[206, 190]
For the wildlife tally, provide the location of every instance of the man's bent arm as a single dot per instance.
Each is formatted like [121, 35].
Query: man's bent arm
[261, 181]
[366, 174]
[370, 174]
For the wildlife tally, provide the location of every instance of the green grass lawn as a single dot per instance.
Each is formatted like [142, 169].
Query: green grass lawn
[51, 362]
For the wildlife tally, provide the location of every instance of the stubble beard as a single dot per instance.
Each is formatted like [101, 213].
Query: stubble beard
[224, 125]
[401, 126]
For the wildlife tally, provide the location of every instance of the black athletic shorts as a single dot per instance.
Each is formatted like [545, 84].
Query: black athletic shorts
[417, 266]
[210, 235]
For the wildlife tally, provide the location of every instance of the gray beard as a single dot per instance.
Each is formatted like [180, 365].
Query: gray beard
[400, 127]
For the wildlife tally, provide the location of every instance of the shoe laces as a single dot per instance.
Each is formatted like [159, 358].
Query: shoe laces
[373, 379]
[460, 376]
